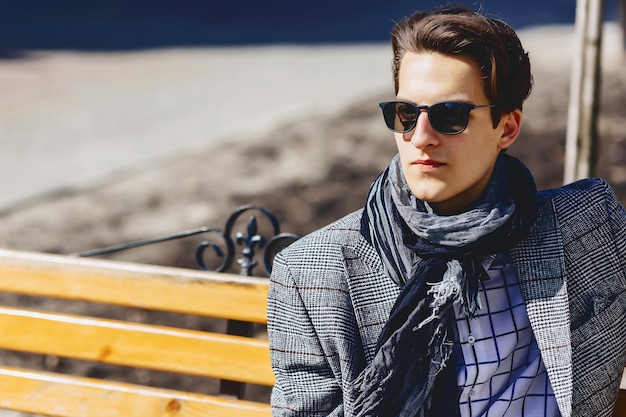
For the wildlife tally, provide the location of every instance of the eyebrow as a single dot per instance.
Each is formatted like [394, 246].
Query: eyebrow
[440, 101]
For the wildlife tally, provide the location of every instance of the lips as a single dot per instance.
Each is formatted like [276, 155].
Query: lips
[427, 164]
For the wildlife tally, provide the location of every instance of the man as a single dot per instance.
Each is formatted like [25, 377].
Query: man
[458, 289]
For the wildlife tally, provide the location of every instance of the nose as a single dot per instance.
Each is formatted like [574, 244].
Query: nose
[423, 135]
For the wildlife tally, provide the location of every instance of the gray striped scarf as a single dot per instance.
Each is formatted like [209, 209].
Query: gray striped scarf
[437, 262]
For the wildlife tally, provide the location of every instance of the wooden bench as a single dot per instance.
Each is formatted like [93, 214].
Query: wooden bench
[127, 343]
[130, 344]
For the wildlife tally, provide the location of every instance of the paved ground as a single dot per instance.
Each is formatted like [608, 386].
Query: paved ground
[72, 119]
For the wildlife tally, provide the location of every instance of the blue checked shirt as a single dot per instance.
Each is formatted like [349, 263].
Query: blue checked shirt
[499, 367]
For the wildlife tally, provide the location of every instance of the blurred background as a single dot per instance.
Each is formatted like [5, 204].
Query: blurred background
[129, 119]
[117, 25]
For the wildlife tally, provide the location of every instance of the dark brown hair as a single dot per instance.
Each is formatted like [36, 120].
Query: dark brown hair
[492, 44]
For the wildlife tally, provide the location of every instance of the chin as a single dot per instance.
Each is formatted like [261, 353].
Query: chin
[430, 196]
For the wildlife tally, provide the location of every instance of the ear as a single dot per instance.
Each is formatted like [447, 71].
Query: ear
[510, 124]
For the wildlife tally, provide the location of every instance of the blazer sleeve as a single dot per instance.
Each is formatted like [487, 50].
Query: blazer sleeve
[593, 226]
[305, 384]
[617, 220]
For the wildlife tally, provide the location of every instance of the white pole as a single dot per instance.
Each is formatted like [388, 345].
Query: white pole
[582, 129]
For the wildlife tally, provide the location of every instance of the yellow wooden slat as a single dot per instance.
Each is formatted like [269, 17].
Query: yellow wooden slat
[67, 396]
[120, 283]
[140, 345]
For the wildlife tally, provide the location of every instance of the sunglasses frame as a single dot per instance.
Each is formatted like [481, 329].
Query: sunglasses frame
[418, 109]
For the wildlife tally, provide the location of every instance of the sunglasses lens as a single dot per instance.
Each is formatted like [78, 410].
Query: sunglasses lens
[449, 118]
[399, 116]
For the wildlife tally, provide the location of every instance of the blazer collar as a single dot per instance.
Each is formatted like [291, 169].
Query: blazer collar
[540, 267]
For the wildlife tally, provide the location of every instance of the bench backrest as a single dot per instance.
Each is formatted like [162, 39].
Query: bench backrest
[127, 343]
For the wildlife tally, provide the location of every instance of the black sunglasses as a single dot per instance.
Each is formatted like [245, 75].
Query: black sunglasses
[448, 117]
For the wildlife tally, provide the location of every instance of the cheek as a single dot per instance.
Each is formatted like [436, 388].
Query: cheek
[403, 147]
[475, 168]
[401, 140]
[475, 158]
[478, 147]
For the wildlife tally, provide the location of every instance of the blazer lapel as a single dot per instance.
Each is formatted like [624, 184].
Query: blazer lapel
[372, 293]
[539, 264]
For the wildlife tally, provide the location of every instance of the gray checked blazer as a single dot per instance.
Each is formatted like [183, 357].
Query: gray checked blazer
[329, 299]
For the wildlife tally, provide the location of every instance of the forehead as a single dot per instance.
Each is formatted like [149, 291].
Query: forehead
[430, 77]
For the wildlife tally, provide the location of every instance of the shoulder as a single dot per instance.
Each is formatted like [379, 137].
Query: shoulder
[583, 196]
[329, 257]
[344, 230]
[582, 207]
[585, 189]
[331, 240]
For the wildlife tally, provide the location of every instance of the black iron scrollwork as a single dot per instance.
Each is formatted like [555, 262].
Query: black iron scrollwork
[250, 242]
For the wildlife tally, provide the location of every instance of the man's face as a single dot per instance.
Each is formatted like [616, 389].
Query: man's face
[449, 171]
